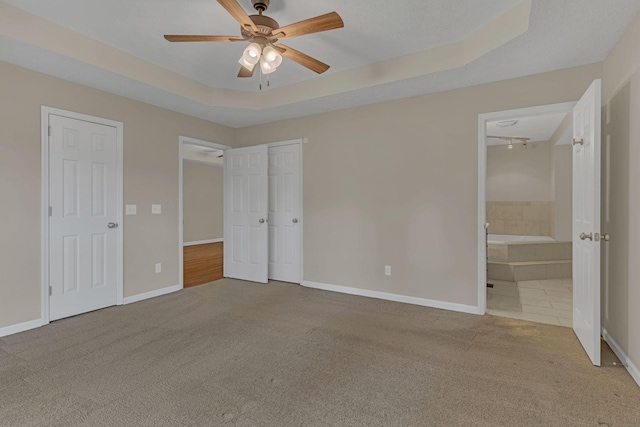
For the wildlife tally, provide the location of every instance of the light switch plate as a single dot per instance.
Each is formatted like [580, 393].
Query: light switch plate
[156, 209]
[130, 209]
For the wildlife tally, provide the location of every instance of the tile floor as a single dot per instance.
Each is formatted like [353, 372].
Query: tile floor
[544, 301]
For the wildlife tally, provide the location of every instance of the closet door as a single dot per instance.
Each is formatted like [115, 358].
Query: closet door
[285, 208]
[246, 234]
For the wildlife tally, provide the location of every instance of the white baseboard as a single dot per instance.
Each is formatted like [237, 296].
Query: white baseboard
[202, 242]
[151, 294]
[633, 369]
[394, 297]
[20, 327]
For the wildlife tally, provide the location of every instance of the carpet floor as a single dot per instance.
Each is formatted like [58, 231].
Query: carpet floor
[232, 353]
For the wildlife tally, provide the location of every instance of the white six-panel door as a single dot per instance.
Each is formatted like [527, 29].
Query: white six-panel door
[246, 229]
[83, 199]
[285, 226]
[586, 220]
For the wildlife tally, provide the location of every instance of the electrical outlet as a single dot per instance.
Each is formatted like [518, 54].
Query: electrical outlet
[387, 270]
[130, 209]
[156, 209]
[158, 267]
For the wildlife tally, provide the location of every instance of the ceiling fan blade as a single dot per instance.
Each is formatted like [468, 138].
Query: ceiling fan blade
[238, 13]
[302, 59]
[185, 38]
[244, 72]
[329, 21]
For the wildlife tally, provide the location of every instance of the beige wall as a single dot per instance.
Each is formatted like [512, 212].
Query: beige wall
[395, 184]
[150, 176]
[202, 201]
[519, 175]
[621, 193]
[562, 161]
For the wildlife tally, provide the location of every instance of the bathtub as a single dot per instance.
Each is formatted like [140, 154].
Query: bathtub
[508, 238]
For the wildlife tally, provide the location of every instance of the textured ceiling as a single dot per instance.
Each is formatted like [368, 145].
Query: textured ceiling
[374, 30]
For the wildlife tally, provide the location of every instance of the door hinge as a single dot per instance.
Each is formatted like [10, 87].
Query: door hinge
[49, 130]
[50, 291]
[50, 210]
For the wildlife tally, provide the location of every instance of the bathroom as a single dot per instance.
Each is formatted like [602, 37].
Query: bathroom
[529, 218]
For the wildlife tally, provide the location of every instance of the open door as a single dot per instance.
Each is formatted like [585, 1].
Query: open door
[246, 232]
[586, 220]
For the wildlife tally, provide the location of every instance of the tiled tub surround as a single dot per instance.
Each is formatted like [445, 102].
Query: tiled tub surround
[544, 301]
[520, 261]
[521, 218]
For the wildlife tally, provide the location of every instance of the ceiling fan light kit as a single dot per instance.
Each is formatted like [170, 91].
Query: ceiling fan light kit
[264, 35]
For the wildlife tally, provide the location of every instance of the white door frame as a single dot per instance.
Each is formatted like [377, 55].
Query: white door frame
[565, 107]
[44, 202]
[299, 142]
[182, 140]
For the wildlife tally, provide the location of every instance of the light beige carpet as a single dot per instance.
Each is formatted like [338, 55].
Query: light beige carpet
[232, 353]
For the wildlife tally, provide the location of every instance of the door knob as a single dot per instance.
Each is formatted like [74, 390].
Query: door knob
[584, 236]
[606, 237]
[261, 220]
[112, 225]
[295, 220]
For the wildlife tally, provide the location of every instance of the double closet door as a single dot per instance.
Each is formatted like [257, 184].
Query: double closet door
[263, 205]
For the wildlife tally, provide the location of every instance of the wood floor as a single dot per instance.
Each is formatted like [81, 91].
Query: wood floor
[203, 264]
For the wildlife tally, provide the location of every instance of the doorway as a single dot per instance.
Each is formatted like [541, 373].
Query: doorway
[81, 211]
[529, 218]
[200, 213]
[586, 188]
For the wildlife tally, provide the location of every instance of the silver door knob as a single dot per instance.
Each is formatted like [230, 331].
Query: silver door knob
[112, 225]
[584, 236]
[606, 237]
[295, 220]
[261, 220]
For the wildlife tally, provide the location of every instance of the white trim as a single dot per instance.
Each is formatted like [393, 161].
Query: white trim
[20, 327]
[152, 294]
[626, 362]
[182, 140]
[44, 202]
[394, 297]
[202, 242]
[540, 110]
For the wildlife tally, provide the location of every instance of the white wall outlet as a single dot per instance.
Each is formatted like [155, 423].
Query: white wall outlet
[156, 209]
[159, 267]
[130, 209]
[387, 270]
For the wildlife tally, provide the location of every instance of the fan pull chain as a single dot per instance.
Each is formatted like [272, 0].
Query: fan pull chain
[260, 79]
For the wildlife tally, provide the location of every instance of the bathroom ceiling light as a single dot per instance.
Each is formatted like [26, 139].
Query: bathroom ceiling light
[507, 123]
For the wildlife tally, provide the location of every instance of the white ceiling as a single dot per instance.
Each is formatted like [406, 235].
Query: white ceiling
[536, 128]
[374, 31]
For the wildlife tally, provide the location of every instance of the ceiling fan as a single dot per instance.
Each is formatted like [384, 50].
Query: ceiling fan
[264, 35]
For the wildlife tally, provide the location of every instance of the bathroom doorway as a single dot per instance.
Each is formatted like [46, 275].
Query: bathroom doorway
[528, 211]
